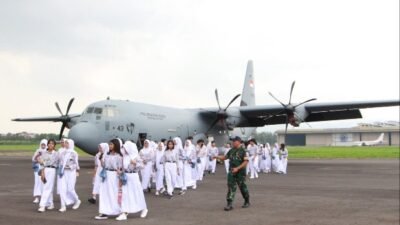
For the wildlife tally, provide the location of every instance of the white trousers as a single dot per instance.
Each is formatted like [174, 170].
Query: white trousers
[132, 195]
[48, 187]
[108, 197]
[201, 167]
[38, 185]
[212, 165]
[159, 177]
[265, 164]
[284, 162]
[253, 166]
[170, 176]
[188, 181]
[146, 175]
[68, 194]
[96, 182]
[179, 177]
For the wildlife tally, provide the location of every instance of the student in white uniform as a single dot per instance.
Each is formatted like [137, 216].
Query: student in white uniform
[179, 151]
[38, 184]
[147, 157]
[276, 162]
[102, 149]
[283, 152]
[60, 152]
[188, 159]
[212, 154]
[201, 152]
[253, 158]
[133, 200]
[69, 172]
[159, 168]
[109, 187]
[265, 163]
[226, 161]
[170, 161]
[49, 161]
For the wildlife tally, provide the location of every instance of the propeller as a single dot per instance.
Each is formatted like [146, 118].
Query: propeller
[288, 109]
[221, 115]
[65, 119]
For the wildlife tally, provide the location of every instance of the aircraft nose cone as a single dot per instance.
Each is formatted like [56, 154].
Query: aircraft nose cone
[86, 137]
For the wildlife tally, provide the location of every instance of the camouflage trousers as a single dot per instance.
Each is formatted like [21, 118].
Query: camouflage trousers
[239, 180]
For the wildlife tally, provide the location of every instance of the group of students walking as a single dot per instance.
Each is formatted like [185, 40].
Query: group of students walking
[263, 158]
[50, 165]
[123, 173]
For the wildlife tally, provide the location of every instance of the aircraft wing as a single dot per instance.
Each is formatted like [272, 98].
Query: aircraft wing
[256, 115]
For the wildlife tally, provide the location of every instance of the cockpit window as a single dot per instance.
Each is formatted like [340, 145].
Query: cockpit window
[98, 110]
[94, 110]
[90, 110]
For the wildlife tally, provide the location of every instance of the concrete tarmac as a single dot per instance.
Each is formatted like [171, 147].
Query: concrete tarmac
[337, 192]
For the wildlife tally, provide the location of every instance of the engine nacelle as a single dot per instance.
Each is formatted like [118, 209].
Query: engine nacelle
[298, 116]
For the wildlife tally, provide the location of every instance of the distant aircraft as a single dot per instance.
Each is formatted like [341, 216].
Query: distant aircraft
[378, 141]
[104, 120]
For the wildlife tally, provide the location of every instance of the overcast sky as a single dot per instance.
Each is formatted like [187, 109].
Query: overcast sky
[175, 53]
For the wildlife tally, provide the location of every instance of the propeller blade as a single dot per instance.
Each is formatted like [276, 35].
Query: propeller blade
[212, 125]
[62, 131]
[284, 106]
[291, 91]
[69, 105]
[217, 97]
[286, 126]
[58, 108]
[309, 100]
[233, 99]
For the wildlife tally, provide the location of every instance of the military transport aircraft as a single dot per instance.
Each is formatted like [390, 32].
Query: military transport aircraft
[378, 141]
[107, 119]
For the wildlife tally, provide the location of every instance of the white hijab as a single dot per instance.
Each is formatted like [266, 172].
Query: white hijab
[178, 145]
[149, 145]
[104, 147]
[131, 150]
[43, 141]
[160, 147]
[189, 145]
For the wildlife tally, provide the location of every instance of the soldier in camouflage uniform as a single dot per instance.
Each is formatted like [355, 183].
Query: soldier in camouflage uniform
[237, 173]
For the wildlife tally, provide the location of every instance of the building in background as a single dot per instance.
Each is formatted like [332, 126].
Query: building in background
[343, 136]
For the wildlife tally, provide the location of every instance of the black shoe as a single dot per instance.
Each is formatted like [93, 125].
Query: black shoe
[246, 205]
[228, 207]
[92, 200]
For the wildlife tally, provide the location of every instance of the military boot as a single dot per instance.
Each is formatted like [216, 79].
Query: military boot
[228, 206]
[246, 203]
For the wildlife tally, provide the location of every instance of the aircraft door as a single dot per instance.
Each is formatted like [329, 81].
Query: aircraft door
[140, 141]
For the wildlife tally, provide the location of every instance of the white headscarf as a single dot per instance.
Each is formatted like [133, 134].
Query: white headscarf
[178, 145]
[43, 141]
[104, 147]
[131, 150]
[160, 145]
[153, 145]
[267, 146]
[189, 145]
[71, 145]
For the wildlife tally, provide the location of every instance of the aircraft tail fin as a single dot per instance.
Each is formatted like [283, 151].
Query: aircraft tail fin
[248, 96]
[380, 138]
